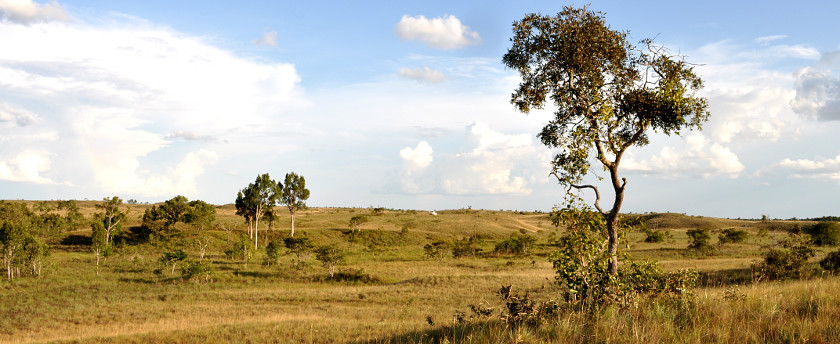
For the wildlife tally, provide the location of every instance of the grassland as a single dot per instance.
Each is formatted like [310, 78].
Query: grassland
[406, 297]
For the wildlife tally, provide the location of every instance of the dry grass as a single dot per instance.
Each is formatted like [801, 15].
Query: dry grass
[128, 303]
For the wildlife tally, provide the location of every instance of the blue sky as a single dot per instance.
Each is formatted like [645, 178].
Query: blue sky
[402, 105]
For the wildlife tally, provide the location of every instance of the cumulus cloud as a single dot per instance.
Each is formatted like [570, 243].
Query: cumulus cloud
[694, 158]
[441, 33]
[27, 166]
[28, 11]
[268, 39]
[818, 90]
[414, 163]
[496, 163]
[118, 95]
[20, 116]
[424, 74]
[827, 169]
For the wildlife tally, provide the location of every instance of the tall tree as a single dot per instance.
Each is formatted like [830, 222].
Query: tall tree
[255, 200]
[294, 195]
[110, 217]
[608, 93]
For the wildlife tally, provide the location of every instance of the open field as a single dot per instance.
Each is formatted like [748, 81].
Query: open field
[394, 292]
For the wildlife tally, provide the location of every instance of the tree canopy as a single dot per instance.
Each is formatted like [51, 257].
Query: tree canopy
[294, 194]
[607, 94]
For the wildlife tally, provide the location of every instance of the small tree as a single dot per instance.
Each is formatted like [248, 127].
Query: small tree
[699, 239]
[732, 235]
[357, 221]
[824, 233]
[330, 256]
[111, 217]
[786, 260]
[241, 249]
[12, 237]
[608, 94]
[99, 239]
[299, 247]
[272, 252]
[201, 215]
[172, 258]
[254, 201]
[294, 194]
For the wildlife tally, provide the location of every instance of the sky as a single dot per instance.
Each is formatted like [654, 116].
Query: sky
[398, 104]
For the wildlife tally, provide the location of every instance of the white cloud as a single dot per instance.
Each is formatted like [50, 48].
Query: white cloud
[27, 166]
[424, 74]
[442, 32]
[28, 11]
[117, 95]
[825, 169]
[20, 116]
[818, 90]
[497, 163]
[691, 159]
[768, 39]
[268, 39]
[414, 163]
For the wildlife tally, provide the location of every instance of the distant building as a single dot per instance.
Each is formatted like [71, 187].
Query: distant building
[433, 213]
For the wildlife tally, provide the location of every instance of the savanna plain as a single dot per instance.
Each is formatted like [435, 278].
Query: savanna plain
[399, 282]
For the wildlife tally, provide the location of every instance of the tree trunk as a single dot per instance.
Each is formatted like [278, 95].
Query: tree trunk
[612, 219]
[293, 224]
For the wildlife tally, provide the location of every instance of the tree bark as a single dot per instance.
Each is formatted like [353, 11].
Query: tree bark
[293, 223]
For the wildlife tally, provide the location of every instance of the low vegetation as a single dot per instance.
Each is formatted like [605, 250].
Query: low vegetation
[405, 271]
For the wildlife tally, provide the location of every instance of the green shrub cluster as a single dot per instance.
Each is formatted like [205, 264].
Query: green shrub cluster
[824, 233]
[732, 235]
[784, 261]
[517, 244]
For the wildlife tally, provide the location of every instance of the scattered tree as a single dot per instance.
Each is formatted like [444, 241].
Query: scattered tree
[254, 201]
[330, 256]
[608, 94]
[100, 245]
[241, 249]
[699, 239]
[294, 194]
[110, 219]
[357, 221]
[824, 233]
[172, 258]
[299, 247]
[732, 235]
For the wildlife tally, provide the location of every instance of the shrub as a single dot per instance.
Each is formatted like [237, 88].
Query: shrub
[438, 249]
[647, 277]
[655, 236]
[824, 233]
[272, 252]
[785, 260]
[172, 257]
[241, 249]
[699, 239]
[299, 246]
[516, 244]
[831, 262]
[197, 271]
[732, 235]
[330, 256]
[465, 247]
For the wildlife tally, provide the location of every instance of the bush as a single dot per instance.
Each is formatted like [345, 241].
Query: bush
[699, 239]
[438, 249]
[656, 236]
[732, 235]
[831, 262]
[197, 271]
[241, 249]
[516, 244]
[330, 256]
[465, 247]
[824, 233]
[299, 246]
[272, 252]
[785, 261]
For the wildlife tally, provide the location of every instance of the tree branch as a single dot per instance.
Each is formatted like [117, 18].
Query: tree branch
[588, 186]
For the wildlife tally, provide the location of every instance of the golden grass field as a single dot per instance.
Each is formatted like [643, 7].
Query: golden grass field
[412, 298]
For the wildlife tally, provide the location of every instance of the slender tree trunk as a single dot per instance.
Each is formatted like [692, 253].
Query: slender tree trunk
[612, 219]
[293, 223]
